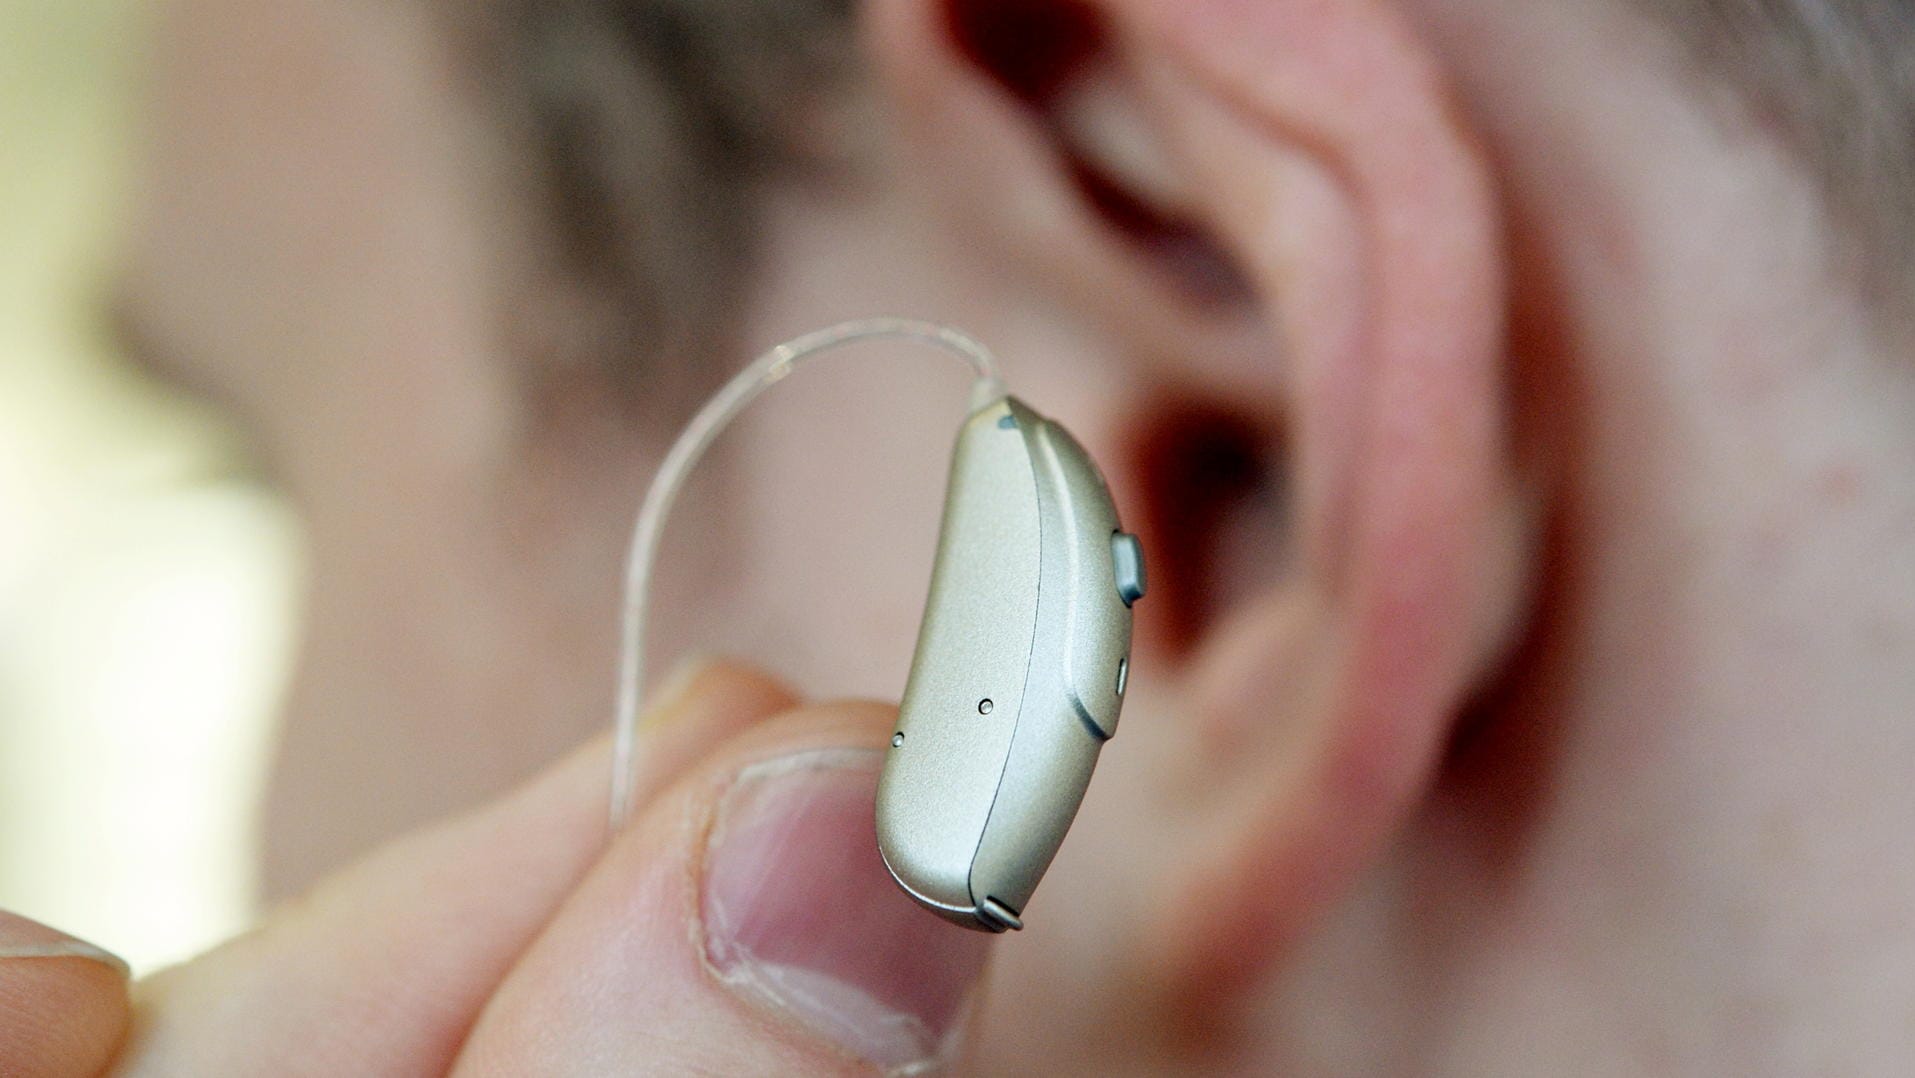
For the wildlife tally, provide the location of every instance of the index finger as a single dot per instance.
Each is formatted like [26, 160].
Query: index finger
[382, 969]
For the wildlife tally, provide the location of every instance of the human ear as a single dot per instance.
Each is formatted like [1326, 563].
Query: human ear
[1275, 221]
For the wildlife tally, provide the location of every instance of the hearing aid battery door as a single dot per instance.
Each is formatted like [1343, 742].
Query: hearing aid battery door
[1019, 672]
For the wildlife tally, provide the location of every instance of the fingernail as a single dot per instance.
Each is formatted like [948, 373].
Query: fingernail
[22, 938]
[800, 914]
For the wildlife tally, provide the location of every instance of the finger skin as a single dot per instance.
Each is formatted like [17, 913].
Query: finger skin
[618, 982]
[61, 1015]
[382, 970]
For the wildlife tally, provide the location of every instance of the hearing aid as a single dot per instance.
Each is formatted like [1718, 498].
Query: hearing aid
[1023, 653]
[1022, 661]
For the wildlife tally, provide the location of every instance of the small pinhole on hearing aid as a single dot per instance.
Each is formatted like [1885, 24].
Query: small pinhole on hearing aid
[897, 740]
[984, 707]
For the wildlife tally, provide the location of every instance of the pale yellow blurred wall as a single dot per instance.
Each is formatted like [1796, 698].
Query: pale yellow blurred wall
[148, 584]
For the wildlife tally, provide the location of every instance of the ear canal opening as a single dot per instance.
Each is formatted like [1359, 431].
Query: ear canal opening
[1215, 514]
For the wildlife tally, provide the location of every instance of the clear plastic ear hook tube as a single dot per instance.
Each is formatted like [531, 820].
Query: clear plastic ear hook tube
[764, 372]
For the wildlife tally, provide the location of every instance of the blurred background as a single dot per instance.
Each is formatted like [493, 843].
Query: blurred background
[149, 579]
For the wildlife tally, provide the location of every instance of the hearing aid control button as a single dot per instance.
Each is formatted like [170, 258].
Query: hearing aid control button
[1127, 559]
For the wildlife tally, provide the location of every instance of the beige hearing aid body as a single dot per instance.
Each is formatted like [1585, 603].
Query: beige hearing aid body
[1022, 658]
[1022, 662]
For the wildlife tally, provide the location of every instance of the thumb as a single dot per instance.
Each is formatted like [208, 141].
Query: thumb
[63, 1003]
[744, 925]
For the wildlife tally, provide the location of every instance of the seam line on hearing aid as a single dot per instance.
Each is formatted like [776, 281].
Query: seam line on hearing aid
[1023, 690]
[767, 370]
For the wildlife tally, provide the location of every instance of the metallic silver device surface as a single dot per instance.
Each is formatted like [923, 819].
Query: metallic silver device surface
[1022, 661]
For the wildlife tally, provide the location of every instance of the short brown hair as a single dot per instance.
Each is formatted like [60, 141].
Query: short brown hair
[649, 130]
[654, 124]
[1834, 81]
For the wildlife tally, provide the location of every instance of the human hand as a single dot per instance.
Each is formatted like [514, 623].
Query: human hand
[742, 924]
